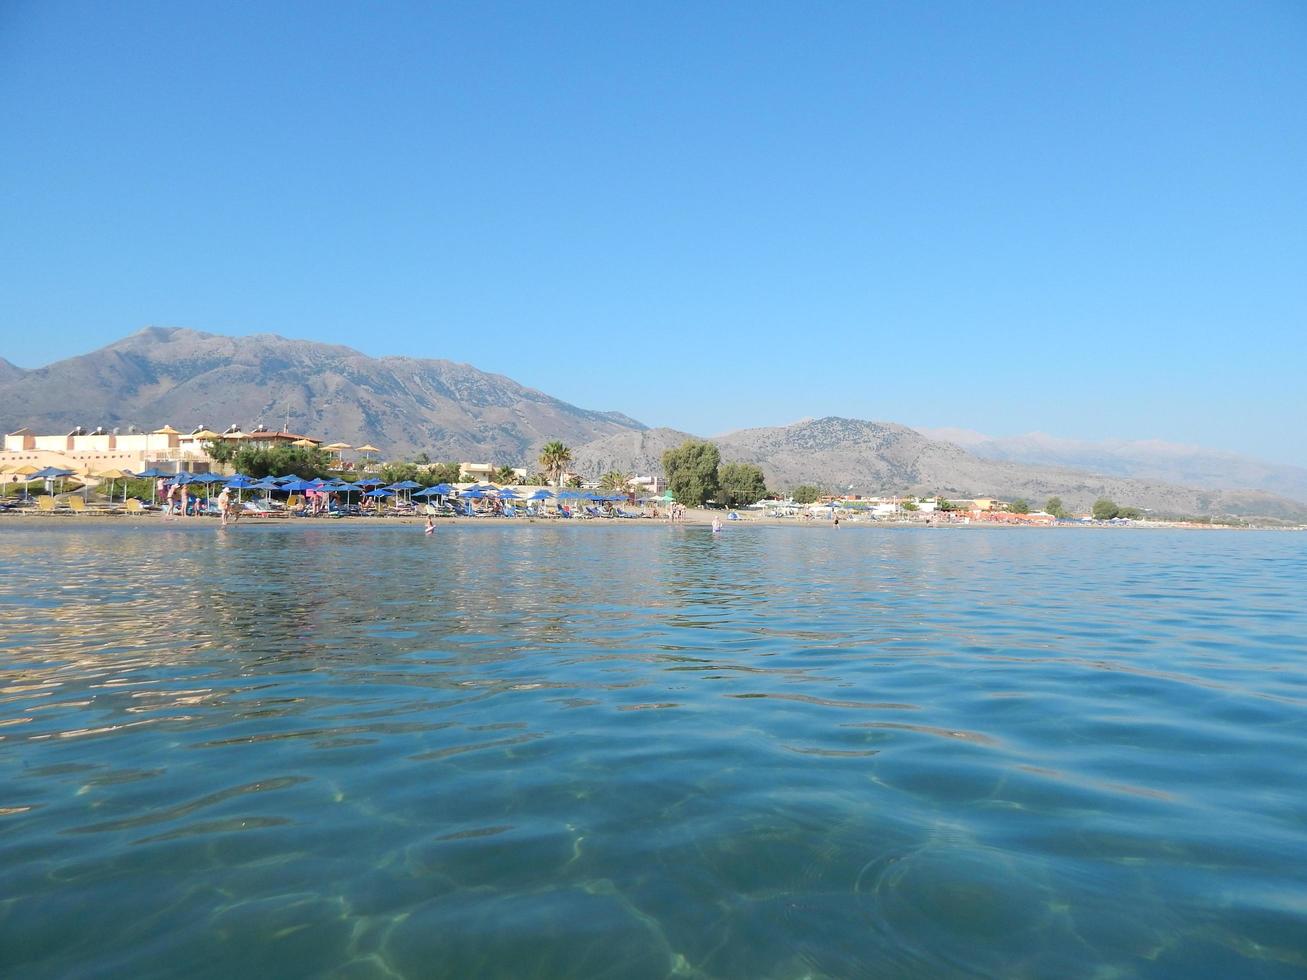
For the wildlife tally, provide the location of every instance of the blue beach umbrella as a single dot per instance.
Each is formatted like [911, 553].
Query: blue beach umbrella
[540, 495]
[379, 493]
[442, 489]
[508, 493]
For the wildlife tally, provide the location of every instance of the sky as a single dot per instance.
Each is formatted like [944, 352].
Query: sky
[1084, 219]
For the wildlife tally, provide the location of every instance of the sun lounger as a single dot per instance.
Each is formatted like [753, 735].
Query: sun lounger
[47, 505]
[133, 506]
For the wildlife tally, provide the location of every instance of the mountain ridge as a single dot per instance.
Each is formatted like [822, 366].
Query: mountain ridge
[1153, 459]
[887, 457]
[188, 377]
[450, 410]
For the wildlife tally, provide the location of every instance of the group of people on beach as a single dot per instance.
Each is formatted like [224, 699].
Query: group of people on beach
[177, 502]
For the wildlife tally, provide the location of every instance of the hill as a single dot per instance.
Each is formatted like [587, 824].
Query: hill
[882, 457]
[1150, 459]
[401, 404]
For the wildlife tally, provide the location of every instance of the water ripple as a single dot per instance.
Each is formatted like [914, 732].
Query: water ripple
[651, 752]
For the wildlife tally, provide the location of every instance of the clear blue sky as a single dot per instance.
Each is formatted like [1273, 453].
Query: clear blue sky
[1089, 219]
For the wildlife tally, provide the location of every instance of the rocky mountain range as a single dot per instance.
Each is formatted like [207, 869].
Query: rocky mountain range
[1148, 459]
[453, 411]
[403, 405]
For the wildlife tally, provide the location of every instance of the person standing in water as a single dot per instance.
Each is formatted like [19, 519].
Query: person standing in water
[431, 526]
[224, 504]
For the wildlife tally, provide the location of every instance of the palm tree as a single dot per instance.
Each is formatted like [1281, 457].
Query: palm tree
[554, 457]
[505, 475]
[614, 480]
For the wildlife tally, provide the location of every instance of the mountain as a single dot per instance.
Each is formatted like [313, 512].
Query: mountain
[883, 457]
[401, 404]
[453, 411]
[636, 453]
[1150, 459]
[9, 372]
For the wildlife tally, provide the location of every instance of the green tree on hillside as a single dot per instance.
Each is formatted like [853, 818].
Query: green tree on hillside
[741, 484]
[806, 493]
[505, 475]
[1104, 509]
[691, 470]
[945, 506]
[1019, 506]
[1054, 506]
[555, 458]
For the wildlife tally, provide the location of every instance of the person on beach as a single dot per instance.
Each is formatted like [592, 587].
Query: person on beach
[224, 505]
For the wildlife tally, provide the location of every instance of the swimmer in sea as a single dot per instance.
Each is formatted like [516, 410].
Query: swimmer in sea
[431, 526]
[716, 525]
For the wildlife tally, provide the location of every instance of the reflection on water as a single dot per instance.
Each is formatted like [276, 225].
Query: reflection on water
[652, 752]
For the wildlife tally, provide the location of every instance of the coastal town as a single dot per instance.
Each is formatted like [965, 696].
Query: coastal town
[112, 471]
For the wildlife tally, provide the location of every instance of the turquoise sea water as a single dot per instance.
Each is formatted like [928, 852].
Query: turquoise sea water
[645, 751]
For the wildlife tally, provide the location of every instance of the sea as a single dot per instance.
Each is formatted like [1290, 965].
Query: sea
[309, 749]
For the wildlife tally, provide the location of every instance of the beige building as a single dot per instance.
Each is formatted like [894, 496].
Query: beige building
[94, 452]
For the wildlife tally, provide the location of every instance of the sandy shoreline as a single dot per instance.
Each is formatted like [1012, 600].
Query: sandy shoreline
[692, 518]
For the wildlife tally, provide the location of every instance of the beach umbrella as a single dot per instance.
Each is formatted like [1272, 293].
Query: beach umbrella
[403, 485]
[379, 493]
[153, 473]
[290, 478]
[473, 493]
[367, 452]
[51, 473]
[368, 481]
[303, 443]
[508, 493]
[540, 495]
[442, 489]
[240, 482]
[428, 492]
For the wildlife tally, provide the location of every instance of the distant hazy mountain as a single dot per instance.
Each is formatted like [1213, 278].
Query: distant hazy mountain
[882, 457]
[401, 404]
[1149, 459]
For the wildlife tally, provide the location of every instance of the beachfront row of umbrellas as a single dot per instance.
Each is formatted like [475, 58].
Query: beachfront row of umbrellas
[365, 487]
